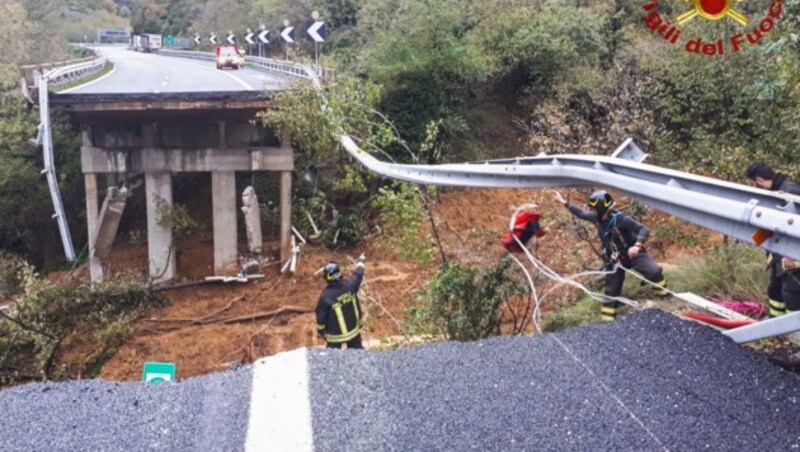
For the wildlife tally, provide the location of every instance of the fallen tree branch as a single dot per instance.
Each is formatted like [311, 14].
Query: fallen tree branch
[200, 320]
[267, 314]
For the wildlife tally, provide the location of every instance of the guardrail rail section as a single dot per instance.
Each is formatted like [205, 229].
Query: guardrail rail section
[43, 79]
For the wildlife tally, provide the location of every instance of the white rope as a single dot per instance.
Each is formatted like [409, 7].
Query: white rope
[610, 392]
[560, 280]
[536, 314]
[551, 274]
[631, 272]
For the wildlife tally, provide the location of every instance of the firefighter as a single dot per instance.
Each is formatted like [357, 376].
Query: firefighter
[623, 241]
[339, 315]
[784, 282]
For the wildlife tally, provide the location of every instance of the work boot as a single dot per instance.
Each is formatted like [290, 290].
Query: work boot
[658, 291]
[776, 308]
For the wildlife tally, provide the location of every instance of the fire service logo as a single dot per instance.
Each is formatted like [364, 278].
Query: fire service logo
[712, 10]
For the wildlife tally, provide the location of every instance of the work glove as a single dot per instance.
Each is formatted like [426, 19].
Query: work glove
[362, 258]
[321, 334]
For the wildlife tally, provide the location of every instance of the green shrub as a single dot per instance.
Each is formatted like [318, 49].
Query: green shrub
[48, 315]
[402, 216]
[464, 303]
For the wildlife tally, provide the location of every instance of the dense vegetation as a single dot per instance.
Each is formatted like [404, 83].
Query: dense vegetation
[436, 81]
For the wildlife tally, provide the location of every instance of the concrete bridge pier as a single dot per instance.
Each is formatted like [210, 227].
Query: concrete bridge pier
[160, 247]
[223, 193]
[158, 136]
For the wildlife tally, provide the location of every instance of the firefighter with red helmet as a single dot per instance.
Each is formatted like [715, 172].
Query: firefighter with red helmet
[623, 240]
[339, 314]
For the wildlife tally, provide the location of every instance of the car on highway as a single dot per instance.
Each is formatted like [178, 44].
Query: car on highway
[229, 56]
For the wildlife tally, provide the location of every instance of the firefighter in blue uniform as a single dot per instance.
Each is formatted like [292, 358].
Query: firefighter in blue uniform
[623, 241]
[339, 315]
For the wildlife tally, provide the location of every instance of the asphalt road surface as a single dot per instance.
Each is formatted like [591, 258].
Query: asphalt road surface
[649, 381]
[137, 72]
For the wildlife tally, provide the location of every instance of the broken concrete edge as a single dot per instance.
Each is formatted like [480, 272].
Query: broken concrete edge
[209, 96]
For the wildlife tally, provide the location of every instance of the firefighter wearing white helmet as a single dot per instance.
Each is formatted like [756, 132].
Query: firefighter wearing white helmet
[623, 240]
[339, 314]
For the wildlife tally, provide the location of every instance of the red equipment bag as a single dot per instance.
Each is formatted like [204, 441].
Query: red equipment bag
[526, 227]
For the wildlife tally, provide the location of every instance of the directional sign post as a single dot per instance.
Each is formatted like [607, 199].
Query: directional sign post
[263, 38]
[316, 31]
[249, 38]
[231, 38]
[158, 372]
[212, 39]
[169, 40]
[288, 35]
[197, 39]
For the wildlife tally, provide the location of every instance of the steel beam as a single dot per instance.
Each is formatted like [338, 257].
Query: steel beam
[764, 329]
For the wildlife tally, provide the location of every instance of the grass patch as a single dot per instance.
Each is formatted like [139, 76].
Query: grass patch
[566, 314]
[730, 272]
[733, 271]
[89, 78]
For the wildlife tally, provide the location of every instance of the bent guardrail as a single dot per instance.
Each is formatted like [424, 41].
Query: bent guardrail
[43, 79]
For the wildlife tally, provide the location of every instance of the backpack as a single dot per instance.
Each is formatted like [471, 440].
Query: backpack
[526, 227]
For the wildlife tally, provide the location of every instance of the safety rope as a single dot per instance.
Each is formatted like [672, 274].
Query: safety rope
[610, 392]
[551, 274]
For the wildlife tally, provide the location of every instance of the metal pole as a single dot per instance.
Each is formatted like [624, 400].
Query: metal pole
[49, 167]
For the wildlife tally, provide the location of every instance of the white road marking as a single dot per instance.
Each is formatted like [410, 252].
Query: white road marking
[84, 85]
[280, 409]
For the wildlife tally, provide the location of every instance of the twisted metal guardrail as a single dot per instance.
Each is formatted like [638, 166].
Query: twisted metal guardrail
[732, 209]
[58, 74]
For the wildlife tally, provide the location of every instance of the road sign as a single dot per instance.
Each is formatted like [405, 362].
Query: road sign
[264, 37]
[288, 34]
[158, 372]
[169, 40]
[197, 39]
[213, 39]
[316, 30]
[249, 38]
[231, 38]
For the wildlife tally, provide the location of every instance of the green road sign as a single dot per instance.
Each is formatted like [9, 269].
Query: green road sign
[170, 40]
[158, 372]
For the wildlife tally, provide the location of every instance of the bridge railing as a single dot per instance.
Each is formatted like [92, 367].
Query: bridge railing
[65, 74]
[27, 71]
[285, 67]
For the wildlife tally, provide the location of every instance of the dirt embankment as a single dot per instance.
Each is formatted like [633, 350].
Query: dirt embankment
[209, 328]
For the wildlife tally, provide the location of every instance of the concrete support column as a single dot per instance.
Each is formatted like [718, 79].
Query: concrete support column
[161, 250]
[286, 214]
[92, 214]
[223, 189]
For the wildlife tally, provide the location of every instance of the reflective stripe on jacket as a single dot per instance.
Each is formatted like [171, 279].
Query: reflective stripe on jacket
[338, 312]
